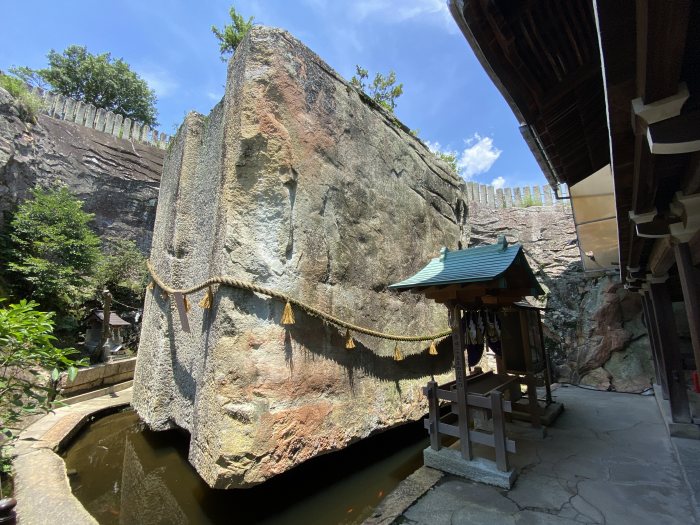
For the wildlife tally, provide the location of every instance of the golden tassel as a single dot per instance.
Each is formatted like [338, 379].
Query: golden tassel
[288, 314]
[349, 343]
[208, 299]
[398, 356]
[433, 350]
[151, 285]
[186, 303]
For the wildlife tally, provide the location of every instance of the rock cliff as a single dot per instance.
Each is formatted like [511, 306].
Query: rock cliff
[298, 183]
[593, 326]
[117, 180]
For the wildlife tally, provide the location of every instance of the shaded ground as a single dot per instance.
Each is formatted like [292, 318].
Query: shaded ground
[608, 459]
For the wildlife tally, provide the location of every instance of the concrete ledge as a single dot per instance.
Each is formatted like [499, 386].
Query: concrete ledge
[403, 496]
[478, 469]
[97, 376]
[42, 488]
[96, 393]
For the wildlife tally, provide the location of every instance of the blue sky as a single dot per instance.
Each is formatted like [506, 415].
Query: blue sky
[447, 96]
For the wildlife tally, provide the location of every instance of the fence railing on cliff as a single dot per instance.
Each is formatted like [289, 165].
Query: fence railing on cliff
[71, 110]
[524, 197]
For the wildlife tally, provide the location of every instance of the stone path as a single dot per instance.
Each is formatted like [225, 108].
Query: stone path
[608, 459]
[42, 489]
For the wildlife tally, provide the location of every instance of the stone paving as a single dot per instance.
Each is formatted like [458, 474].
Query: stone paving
[42, 489]
[608, 459]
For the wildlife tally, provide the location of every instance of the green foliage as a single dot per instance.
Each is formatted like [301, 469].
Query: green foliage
[53, 253]
[29, 365]
[527, 201]
[232, 34]
[29, 104]
[449, 158]
[123, 271]
[382, 90]
[98, 80]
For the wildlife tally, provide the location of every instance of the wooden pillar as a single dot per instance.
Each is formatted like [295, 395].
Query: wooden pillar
[659, 368]
[433, 415]
[461, 383]
[670, 351]
[499, 431]
[690, 284]
[530, 381]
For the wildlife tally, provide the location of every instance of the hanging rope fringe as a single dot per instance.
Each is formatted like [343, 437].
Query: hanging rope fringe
[186, 303]
[349, 343]
[288, 314]
[235, 283]
[165, 295]
[208, 299]
[398, 356]
[151, 285]
[433, 349]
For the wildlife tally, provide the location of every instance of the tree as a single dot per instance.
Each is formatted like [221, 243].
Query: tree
[123, 271]
[29, 365]
[98, 80]
[53, 252]
[232, 34]
[382, 90]
[449, 158]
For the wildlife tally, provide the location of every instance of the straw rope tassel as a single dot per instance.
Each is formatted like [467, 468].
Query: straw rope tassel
[165, 295]
[288, 314]
[208, 299]
[151, 285]
[349, 343]
[398, 356]
[186, 303]
[433, 350]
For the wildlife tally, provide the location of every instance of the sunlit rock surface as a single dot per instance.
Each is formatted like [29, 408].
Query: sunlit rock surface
[297, 183]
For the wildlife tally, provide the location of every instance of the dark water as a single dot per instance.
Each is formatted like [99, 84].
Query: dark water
[125, 474]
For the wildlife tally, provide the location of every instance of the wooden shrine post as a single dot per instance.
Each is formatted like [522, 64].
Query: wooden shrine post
[670, 352]
[690, 284]
[659, 368]
[460, 382]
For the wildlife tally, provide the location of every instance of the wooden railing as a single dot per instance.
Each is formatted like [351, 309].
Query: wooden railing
[491, 402]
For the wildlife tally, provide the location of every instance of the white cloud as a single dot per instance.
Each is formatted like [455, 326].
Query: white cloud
[498, 183]
[478, 156]
[159, 80]
[393, 11]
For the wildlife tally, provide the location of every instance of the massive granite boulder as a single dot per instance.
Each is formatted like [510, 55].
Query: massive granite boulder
[116, 179]
[299, 183]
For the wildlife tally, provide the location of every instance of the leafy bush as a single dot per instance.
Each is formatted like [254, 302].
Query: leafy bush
[528, 201]
[53, 253]
[29, 104]
[29, 365]
[383, 89]
[123, 271]
[232, 34]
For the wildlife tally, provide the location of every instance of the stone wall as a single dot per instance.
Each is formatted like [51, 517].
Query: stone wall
[298, 183]
[97, 376]
[66, 108]
[116, 179]
[521, 197]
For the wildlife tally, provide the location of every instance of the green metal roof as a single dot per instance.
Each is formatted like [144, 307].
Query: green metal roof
[481, 263]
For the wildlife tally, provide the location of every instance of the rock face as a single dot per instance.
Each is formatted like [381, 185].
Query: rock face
[117, 180]
[297, 183]
[593, 326]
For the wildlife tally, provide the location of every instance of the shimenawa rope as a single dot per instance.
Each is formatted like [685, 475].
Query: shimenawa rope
[288, 315]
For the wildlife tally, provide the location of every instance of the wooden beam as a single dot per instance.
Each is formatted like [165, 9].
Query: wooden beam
[675, 136]
[690, 284]
[661, 258]
[670, 352]
[691, 180]
[661, 34]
